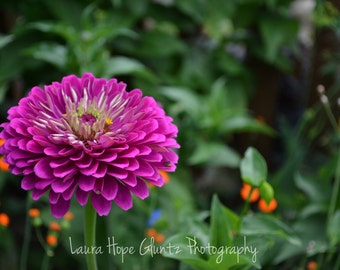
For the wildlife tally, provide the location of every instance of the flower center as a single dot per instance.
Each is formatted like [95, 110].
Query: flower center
[87, 118]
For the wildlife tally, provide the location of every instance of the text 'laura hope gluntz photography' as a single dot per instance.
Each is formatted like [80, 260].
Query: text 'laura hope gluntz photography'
[148, 247]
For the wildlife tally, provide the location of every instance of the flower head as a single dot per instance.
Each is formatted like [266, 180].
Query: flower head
[89, 137]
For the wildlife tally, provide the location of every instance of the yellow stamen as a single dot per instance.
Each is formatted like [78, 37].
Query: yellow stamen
[108, 121]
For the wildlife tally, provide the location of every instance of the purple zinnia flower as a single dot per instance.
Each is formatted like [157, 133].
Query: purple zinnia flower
[90, 137]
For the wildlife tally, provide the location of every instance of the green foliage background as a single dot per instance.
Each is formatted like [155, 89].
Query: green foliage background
[207, 62]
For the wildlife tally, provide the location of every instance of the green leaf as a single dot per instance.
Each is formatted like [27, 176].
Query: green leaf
[185, 248]
[276, 32]
[333, 231]
[121, 65]
[5, 39]
[52, 53]
[159, 44]
[214, 154]
[186, 100]
[224, 223]
[253, 168]
[243, 123]
[261, 224]
[266, 192]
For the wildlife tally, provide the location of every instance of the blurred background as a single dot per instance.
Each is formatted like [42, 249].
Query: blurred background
[232, 74]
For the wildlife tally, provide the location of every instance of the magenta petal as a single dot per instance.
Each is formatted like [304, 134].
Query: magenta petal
[67, 194]
[130, 180]
[100, 204]
[28, 182]
[82, 196]
[53, 197]
[42, 169]
[60, 185]
[60, 208]
[37, 193]
[145, 169]
[91, 169]
[86, 183]
[123, 198]
[140, 190]
[110, 188]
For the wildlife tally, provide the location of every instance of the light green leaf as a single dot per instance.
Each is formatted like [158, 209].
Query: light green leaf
[333, 231]
[214, 154]
[186, 248]
[52, 53]
[253, 168]
[262, 224]
[121, 65]
[5, 39]
[266, 192]
[186, 100]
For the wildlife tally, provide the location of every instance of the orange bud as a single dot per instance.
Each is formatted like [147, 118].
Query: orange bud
[159, 238]
[3, 165]
[54, 226]
[245, 190]
[69, 216]
[151, 232]
[267, 208]
[312, 265]
[51, 240]
[4, 219]
[34, 212]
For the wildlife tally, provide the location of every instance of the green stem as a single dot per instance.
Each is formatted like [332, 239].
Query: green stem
[90, 234]
[27, 235]
[336, 188]
[246, 205]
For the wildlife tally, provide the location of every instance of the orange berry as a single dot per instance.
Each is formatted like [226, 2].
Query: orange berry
[51, 240]
[165, 176]
[312, 265]
[3, 165]
[4, 219]
[34, 212]
[2, 141]
[151, 232]
[245, 190]
[54, 226]
[69, 216]
[267, 208]
[159, 238]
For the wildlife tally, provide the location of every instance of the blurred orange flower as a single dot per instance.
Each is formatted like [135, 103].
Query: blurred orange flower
[69, 216]
[54, 226]
[4, 219]
[159, 238]
[245, 190]
[3, 165]
[151, 232]
[267, 208]
[51, 240]
[312, 265]
[34, 212]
